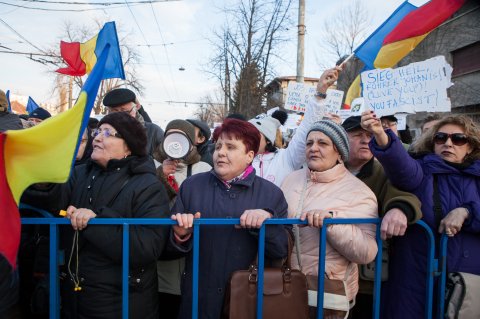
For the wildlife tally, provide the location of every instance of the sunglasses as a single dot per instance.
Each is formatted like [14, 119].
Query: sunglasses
[457, 139]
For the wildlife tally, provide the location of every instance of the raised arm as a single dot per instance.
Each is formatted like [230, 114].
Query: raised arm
[402, 170]
[295, 152]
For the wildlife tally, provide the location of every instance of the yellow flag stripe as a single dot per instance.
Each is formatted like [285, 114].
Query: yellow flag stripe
[354, 91]
[43, 153]
[87, 53]
[392, 53]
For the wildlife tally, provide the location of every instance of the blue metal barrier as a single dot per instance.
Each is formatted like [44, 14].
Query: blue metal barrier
[443, 275]
[53, 268]
[126, 222]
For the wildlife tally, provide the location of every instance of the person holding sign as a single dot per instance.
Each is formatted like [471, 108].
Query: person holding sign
[275, 164]
[446, 179]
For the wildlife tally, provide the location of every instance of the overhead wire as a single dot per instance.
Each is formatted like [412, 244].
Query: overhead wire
[64, 10]
[149, 49]
[166, 51]
[95, 3]
[21, 36]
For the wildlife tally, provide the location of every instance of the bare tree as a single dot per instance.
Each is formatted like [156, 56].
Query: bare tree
[248, 42]
[69, 87]
[211, 111]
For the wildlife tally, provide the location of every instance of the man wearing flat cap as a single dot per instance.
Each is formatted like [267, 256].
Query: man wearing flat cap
[38, 115]
[124, 100]
[398, 208]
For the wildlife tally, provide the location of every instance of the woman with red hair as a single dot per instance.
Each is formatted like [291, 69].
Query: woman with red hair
[230, 190]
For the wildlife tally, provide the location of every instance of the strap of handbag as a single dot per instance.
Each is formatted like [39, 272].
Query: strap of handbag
[297, 234]
[287, 263]
[296, 227]
[189, 170]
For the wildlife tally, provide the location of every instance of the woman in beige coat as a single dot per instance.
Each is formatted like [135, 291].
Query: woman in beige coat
[326, 189]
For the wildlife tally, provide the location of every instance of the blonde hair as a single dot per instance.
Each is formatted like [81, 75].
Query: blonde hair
[426, 145]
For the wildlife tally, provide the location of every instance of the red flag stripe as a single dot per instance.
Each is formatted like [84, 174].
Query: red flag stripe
[9, 214]
[71, 54]
[423, 20]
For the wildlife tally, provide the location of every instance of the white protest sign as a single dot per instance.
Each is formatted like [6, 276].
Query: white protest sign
[298, 95]
[356, 108]
[333, 102]
[401, 121]
[417, 87]
[291, 122]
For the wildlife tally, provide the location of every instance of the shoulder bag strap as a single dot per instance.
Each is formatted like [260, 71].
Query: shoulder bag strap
[189, 170]
[296, 227]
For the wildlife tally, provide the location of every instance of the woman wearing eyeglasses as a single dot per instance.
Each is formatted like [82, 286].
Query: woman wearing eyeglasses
[119, 181]
[446, 179]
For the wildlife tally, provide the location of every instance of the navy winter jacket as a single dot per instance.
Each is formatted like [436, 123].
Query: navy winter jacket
[225, 249]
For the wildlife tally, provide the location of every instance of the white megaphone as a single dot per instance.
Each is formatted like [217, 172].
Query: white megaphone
[177, 145]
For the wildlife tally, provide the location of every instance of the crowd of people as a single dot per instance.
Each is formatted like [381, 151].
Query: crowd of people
[356, 169]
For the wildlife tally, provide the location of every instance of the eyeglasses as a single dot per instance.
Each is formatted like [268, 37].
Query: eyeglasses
[106, 133]
[115, 110]
[388, 124]
[457, 139]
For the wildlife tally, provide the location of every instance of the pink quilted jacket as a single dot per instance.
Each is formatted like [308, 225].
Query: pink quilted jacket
[339, 191]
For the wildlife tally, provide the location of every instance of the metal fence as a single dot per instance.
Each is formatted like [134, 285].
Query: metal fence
[434, 268]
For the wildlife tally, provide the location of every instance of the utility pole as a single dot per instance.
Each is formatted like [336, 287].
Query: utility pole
[301, 40]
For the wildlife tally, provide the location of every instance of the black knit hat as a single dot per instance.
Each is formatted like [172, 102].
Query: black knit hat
[184, 126]
[118, 97]
[130, 130]
[40, 113]
[203, 127]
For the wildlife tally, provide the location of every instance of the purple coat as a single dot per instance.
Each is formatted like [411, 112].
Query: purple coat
[458, 185]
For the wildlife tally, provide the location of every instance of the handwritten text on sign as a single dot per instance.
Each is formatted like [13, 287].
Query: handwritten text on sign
[334, 100]
[298, 95]
[417, 87]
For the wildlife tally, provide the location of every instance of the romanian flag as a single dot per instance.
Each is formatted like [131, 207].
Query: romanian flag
[82, 57]
[43, 153]
[400, 34]
[369, 49]
[413, 29]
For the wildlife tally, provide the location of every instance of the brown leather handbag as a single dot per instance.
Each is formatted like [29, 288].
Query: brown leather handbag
[284, 293]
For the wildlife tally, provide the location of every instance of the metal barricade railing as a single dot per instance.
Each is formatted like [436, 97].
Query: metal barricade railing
[432, 263]
[442, 272]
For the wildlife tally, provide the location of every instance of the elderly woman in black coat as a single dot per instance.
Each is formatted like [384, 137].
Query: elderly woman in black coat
[118, 182]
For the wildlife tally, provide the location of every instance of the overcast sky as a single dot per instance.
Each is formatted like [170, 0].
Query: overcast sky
[185, 26]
